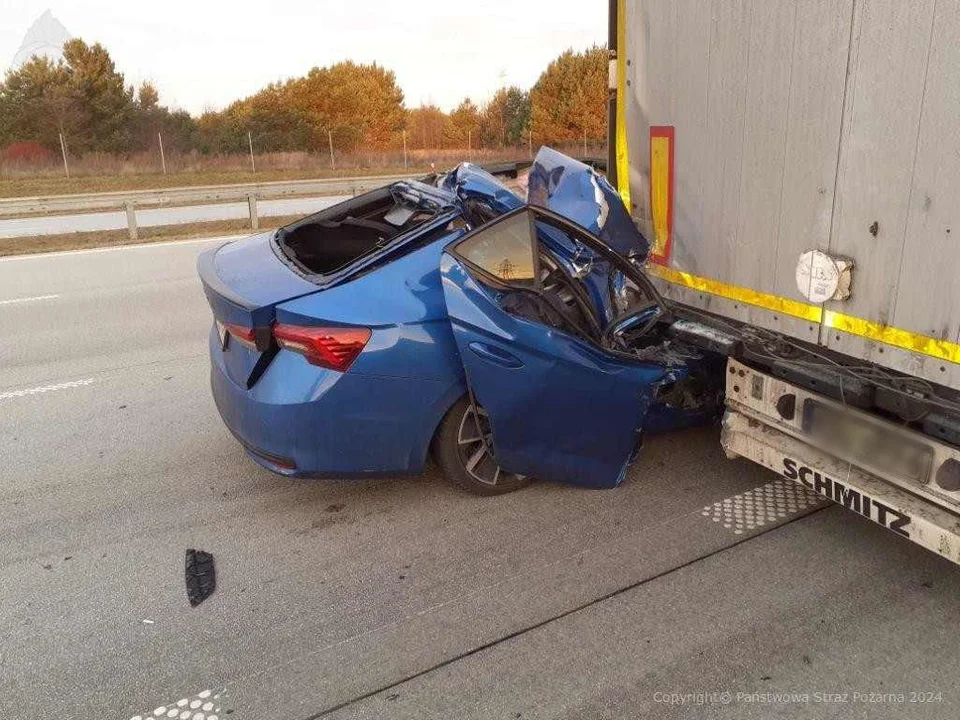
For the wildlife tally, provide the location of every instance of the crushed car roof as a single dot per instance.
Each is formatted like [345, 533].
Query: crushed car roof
[579, 193]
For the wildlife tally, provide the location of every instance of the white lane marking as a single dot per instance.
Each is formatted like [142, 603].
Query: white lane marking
[45, 389]
[202, 706]
[761, 506]
[28, 299]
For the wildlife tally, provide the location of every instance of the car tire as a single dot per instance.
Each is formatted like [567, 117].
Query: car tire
[463, 456]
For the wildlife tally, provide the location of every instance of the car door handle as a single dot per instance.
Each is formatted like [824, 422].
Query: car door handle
[495, 355]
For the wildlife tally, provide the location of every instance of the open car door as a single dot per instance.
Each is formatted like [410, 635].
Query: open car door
[560, 407]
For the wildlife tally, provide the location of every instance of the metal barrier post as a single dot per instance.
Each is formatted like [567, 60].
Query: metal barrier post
[131, 220]
[252, 205]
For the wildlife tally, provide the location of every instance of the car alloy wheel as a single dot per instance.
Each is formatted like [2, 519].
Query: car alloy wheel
[475, 448]
[464, 450]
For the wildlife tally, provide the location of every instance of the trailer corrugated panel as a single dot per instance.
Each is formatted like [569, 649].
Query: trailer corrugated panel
[800, 125]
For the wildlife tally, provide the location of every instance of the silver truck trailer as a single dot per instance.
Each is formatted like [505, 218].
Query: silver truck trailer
[796, 166]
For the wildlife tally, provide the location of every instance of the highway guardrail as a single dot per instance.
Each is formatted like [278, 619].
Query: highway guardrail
[130, 200]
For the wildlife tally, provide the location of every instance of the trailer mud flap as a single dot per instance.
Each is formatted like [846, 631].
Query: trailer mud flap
[867, 495]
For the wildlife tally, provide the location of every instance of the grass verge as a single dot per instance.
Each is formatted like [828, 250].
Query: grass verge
[109, 238]
[44, 186]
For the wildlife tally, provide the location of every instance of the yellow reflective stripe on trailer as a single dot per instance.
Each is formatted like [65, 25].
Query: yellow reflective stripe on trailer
[942, 349]
[877, 332]
[804, 311]
[623, 157]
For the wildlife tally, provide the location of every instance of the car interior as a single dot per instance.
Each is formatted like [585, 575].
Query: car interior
[583, 297]
[333, 238]
[591, 299]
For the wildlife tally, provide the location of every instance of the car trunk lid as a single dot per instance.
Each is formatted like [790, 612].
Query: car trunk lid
[244, 281]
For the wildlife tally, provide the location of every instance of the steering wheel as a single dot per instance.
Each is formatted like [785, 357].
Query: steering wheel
[635, 322]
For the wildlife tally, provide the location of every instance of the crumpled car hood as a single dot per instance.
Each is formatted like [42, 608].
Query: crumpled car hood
[579, 193]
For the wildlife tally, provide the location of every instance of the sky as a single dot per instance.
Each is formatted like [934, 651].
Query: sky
[203, 54]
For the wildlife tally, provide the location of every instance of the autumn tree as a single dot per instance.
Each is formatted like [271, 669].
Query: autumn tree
[569, 100]
[151, 119]
[86, 98]
[361, 105]
[426, 127]
[505, 118]
[273, 123]
[147, 96]
[34, 103]
[101, 104]
[211, 128]
[463, 128]
[356, 105]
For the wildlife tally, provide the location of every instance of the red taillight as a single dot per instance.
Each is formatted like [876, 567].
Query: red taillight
[329, 347]
[243, 335]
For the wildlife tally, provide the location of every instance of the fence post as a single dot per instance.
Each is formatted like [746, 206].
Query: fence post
[163, 160]
[333, 163]
[63, 150]
[253, 165]
[131, 220]
[252, 206]
[404, 149]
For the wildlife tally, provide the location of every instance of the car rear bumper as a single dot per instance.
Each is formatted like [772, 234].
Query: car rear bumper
[301, 420]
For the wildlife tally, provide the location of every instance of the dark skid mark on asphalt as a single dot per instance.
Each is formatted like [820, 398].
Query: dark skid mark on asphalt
[200, 574]
[543, 623]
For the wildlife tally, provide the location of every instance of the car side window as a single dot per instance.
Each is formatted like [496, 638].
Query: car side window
[504, 250]
[611, 291]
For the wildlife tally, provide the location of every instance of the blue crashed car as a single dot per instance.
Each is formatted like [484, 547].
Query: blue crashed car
[516, 339]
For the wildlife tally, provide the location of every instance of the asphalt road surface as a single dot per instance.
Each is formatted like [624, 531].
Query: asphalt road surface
[117, 220]
[403, 598]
